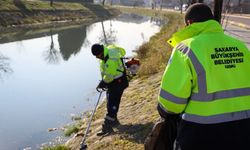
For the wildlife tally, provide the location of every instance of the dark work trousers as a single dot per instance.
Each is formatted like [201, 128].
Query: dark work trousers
[234, 135]
[114, 94]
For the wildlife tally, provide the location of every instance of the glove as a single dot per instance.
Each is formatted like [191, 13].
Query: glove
[102, 84]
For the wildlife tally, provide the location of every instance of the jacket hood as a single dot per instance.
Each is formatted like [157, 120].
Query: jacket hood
[210, 26]
[114, 51]
[106, 50]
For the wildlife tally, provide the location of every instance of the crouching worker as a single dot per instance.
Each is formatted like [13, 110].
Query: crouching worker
[213, 93]
[114, 79]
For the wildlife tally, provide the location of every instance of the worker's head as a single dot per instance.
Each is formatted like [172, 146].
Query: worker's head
[98, 51]
[198, 12]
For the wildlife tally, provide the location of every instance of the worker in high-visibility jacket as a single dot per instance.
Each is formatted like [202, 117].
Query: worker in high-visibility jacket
[207, 83]
[114, 79]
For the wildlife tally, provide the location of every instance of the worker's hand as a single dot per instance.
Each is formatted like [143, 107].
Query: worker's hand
[102, 86]
[98, 89]
[101, 89]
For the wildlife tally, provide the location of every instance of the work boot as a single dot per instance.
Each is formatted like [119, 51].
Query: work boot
[115, 123]
[105, 129]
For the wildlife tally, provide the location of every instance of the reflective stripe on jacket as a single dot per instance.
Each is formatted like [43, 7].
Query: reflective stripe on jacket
[113, 67]
[207, 77]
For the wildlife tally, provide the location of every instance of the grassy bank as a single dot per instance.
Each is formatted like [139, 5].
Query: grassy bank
[137, 112]
[34, 18]
[155, 53]
[35, 12]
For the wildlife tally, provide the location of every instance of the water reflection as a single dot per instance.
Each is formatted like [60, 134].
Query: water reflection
[71, 41]
[52, 55]
[108, 37]
[157, 21]
[5, 69]
[42, 95]
[140, 19]
[132, 18]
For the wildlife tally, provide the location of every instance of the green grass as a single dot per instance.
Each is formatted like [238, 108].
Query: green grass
[76, 118]
[59, 147]
[99, 146]
[29, 12]
[10, 5]
[71, 130]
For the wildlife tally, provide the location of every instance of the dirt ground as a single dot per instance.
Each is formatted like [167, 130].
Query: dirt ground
[137, 115]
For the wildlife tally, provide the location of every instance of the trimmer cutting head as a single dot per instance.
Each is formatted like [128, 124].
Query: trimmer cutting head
[83, 147]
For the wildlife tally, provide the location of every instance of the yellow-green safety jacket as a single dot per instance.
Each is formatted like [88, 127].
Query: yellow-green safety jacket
[207, 76]
[112, 66]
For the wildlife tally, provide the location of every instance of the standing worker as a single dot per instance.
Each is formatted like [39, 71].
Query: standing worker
[207, 81]
[114, 78]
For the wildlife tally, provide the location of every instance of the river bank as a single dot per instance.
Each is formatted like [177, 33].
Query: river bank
[138, 107]
[27, 18]
[137, 112]
[27, 13]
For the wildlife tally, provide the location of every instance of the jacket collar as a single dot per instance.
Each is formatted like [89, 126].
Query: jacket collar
[210, 26]
[106, 50]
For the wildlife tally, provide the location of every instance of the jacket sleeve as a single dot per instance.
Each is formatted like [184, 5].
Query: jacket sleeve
[176, 84]
[111, 67]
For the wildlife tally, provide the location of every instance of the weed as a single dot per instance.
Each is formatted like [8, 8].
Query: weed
[89, 141]
[73, 129]
[79, 124]
[99, 146]
[59, 147]
[76, 118]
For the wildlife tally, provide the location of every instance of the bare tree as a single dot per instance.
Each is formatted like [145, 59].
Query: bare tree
[193, 1]
[108, 37]
[153, 4]
[165, 3]
[181, 2]
[161, 3]
[103, 2]
[217, 10]
[189, 2]
[239, 3]
[5, 66]
[225, 15]
[52, 56]
[104, 35]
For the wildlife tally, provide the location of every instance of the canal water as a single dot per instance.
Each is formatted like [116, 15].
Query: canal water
[48, 78]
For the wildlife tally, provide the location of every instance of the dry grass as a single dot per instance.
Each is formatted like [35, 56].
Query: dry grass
[137, 112]
[155, 54]
[137, 115]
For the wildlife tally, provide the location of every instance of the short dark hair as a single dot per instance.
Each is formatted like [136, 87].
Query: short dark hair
[97, 49]
[198, 12]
